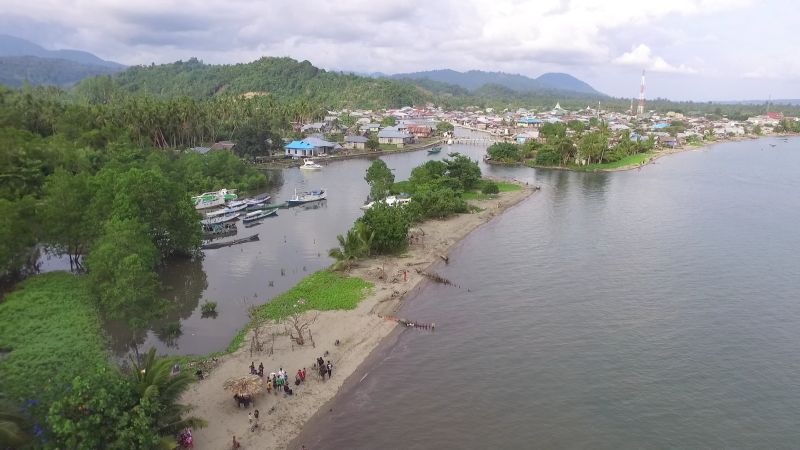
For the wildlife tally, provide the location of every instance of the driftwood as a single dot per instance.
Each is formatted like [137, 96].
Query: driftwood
[437, 278]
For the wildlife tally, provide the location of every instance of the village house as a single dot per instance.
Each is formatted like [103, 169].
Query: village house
[393, 135]
[223, 145]
[419, 131]
[370, 128]
[317, 127]
[527, 136]
[356, 142]
[529, 122]
[309, 147]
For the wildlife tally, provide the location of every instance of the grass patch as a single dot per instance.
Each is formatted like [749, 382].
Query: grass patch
[476, 194]
[626, 161]
[322, 291]
[631, 160]
[54, 334]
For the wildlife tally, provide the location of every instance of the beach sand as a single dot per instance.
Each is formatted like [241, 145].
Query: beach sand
[359, 332]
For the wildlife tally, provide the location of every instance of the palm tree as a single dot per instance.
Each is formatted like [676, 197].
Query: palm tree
[153, 378]
[13, 426]
[355, 244]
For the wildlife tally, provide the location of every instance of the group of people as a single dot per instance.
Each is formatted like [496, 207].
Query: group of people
[324, 368]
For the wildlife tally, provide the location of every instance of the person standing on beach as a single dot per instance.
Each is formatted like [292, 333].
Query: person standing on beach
[330, 369]
[252, 368]
[261, 369]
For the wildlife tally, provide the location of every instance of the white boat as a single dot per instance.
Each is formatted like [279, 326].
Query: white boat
[257, 215]
[205, 202]
[390, 200]
[214, 198]
[309, 164]
[219, 219]
[305, 197]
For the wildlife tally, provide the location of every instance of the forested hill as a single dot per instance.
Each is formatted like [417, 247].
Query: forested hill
[474, 80]
[16, 70]
[281, 78]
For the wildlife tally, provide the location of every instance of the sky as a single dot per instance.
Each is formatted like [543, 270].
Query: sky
[691, 49]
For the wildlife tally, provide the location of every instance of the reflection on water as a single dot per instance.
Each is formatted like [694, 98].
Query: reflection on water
[183, 282]
[290, 246]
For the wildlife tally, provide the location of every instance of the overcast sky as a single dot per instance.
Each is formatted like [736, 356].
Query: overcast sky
[692, 49]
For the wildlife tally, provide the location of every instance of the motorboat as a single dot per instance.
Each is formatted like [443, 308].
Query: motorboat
[306, 197]
[309, 164]
[258, 215]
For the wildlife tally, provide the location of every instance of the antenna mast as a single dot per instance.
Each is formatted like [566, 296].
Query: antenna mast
[640, 108]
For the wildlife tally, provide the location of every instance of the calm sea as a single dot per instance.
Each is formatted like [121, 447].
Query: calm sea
[655, 308]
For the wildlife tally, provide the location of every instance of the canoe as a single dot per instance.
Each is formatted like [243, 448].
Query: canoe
[213, 245]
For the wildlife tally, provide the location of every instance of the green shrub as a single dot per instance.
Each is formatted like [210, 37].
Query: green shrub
[208, 309]
[490, 187]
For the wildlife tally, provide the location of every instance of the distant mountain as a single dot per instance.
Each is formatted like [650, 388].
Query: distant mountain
[22, 61]
[473, 80]
[16, 70]
[14, 46]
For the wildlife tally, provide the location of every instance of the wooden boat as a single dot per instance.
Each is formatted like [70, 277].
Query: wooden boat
[434, 150]
[305, 197]
[219, 230]
[229, 243]
[258, 215]
[220, 219]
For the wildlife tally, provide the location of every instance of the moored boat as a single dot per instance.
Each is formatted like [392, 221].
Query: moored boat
[229, 243]
[258, 215]
[214, 198]
[309, 164]
[306, 197]
[219, 230]
[220, 219]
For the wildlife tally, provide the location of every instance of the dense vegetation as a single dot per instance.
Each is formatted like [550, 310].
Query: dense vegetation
[281, 79]
[18, 70]
[581, 147]
[95, 182]
[436, 189]
[299, 86]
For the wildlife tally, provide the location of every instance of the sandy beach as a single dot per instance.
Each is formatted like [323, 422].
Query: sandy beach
[358, 331]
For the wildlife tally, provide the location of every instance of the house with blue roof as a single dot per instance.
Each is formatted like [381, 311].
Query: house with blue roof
[529, 122]
[310, 146]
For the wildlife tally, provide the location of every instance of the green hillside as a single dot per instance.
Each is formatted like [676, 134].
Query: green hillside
[282, 78]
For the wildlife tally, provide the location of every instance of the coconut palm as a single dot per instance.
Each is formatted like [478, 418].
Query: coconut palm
[153, 377]
[354, 245]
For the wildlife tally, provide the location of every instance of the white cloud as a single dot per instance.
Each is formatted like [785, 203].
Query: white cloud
[641, 56]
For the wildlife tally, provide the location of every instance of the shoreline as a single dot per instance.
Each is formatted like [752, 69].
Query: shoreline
[651, 160]
[368, 154]
[359, 331]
